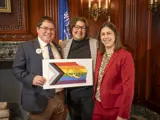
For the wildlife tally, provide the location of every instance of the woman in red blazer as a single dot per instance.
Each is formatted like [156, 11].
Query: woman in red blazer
[114, 77]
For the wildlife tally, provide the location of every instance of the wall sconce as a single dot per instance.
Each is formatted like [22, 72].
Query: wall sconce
[155, 6]
[96, 10]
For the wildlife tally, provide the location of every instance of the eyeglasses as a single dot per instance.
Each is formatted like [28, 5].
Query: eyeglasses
[46, 29]
[77, 27]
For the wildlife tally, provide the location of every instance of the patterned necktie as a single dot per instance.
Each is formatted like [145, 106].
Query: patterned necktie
[50, 92]
[50, 51]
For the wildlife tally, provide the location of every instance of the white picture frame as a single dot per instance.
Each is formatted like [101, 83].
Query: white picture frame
[65, 73]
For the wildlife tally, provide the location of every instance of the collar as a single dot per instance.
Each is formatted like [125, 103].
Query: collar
[42, 43]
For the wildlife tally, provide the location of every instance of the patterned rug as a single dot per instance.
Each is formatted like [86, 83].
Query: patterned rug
[137, 113]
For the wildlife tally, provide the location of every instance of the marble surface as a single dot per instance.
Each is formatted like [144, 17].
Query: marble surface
[8, 50]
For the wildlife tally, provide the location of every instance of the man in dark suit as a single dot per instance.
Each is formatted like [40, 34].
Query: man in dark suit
[27, 67]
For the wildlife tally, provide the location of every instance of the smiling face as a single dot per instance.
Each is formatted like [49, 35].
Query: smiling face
[107, 37]
[79, 31]
[46, 32]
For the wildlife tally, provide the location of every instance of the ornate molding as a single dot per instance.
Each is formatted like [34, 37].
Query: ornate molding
[15, 37]
[17, 31]
[21, 21]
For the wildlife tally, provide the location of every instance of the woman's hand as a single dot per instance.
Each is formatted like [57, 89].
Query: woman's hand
[119, 118]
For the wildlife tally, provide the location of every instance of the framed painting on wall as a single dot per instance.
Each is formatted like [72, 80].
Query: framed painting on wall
[5, 6]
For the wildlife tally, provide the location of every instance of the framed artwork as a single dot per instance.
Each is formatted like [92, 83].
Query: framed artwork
[64, 73]
[5, 6]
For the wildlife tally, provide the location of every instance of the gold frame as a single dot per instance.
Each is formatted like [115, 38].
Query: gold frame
[7, 8]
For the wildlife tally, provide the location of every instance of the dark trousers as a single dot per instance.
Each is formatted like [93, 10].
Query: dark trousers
[82, 109]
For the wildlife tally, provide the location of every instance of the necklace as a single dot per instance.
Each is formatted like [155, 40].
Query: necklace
[109, 54]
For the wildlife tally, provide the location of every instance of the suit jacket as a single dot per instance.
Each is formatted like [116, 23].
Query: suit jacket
[117, 86]
[27, 64]
[93, 43]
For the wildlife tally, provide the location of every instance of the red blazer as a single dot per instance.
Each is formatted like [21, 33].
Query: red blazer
[117, 86]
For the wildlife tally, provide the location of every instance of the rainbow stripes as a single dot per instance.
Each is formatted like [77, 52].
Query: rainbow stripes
[73, 73]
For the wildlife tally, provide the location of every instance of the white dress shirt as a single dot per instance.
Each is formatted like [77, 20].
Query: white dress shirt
[45, 54]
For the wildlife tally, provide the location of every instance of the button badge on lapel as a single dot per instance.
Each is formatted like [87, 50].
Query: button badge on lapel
[38, 51]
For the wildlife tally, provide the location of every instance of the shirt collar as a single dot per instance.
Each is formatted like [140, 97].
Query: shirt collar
[42, 43]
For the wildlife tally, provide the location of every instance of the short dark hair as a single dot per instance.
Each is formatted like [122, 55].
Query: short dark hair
[118, 43]
[44, 18]
[74, 21]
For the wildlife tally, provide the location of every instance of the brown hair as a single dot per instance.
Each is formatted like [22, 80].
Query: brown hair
[75, 20]
[118, 44]
[44, 18]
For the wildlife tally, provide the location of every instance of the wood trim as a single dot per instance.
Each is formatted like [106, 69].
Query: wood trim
[130, 37]
[17, 32]
[51, 9]
[74, 7]
[148, 65]
[130, 24]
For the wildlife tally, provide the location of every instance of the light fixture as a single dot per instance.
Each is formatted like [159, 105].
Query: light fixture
[155, 6]
[97, 9]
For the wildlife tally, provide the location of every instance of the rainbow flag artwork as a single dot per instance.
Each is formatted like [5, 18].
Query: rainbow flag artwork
[65, 73]
[71, 73]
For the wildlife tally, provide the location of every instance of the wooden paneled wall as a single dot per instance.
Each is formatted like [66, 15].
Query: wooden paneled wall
[153, 81]
[139, 30]
[20, 24]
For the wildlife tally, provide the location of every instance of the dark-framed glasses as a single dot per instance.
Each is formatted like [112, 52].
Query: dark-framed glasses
[77, 27]
[46, 29]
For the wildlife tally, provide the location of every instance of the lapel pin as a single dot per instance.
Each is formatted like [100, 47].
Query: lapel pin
[38, 51]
